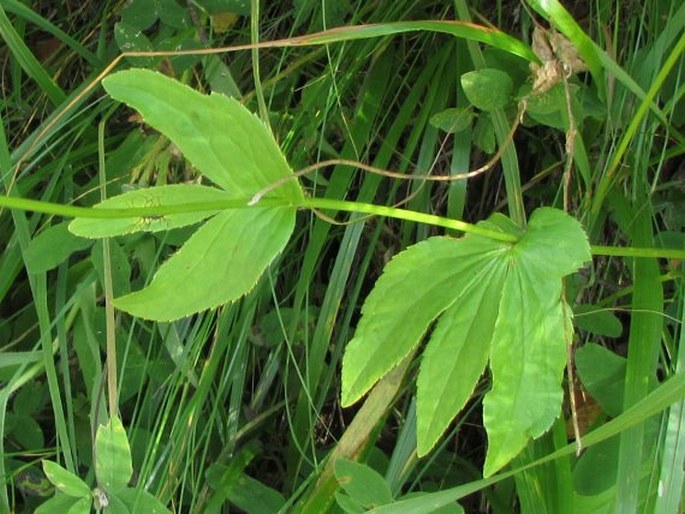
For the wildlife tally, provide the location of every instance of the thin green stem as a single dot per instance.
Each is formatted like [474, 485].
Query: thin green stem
[403, 214]
[112, 387]
[71, 211]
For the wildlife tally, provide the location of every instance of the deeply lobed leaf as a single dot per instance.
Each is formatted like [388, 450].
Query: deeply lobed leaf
[494, 300]
[219, 263]
[225, 141]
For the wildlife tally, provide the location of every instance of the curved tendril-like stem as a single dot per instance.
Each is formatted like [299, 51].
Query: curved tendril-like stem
[395, 174]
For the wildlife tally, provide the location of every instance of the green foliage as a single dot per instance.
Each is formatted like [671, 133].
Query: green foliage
[113, 471]
[487, 89]
[493, 300]
[238, 407]
[236, 151]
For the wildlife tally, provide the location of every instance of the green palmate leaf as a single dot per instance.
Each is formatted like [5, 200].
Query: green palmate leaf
[528, 353]
[456, 354]
[221, 262]
[65, 480]
[224, 140]
[488, 89]
[229, 145]
[493, 299]
[417, 285]
[113, 465]
[178, 194]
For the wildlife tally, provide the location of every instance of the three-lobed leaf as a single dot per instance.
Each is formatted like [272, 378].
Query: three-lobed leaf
[171, 195]
[493, 300]
[220, 262]
[220, 137]
[230, 146]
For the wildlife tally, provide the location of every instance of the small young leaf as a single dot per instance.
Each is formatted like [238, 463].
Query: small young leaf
[362, 483]
[113, 466]
[139, 500]
[597, 321]
[452, 120]
[602, 373]
[484, 134]
[61, 503]
[220, 263]
[177, 194]
[52, 247]
[65, 480]
[224, 140]
[488, 89]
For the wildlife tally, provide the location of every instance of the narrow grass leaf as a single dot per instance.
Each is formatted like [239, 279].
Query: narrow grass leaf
[220, 263]
[33, 68]
[113, 465]
[177, 194]
[225, 141]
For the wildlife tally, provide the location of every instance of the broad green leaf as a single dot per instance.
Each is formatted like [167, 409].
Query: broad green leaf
[65, 480]
[178, 194]
[140, 14]
[81, 506]
[597, 321]
[416, 286]
[603, 374]
[595, 470]
[492, 299]
[116, 506]
[362, 483]
[220, 263]
[452, 120]
[131, 39]
[347, 505]
[484, 134]
[52, 247]
[59, 504]
[487, 89]
[113, 466]
[456, 354]
[225, 141]
[139, 500]
[528, 352]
